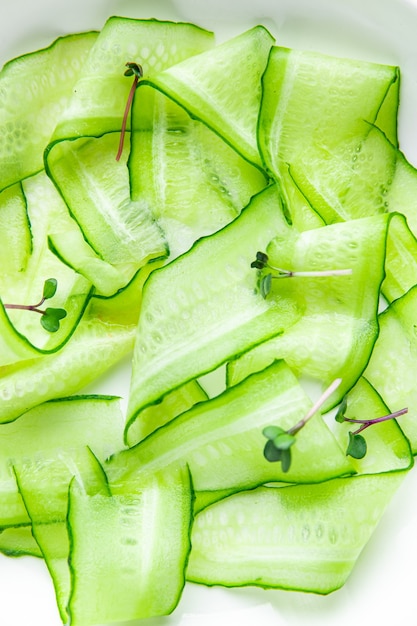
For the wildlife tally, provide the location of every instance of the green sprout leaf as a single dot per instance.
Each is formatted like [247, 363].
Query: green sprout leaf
[265, 285]
[286, 460]
[51, 318]
[271, 453]
[49, 288]
[274, 455]
[133, 69]
[284, 441]
[271, 432]
[261, 261]
[340, 415]
[357, 446]
[277, 448]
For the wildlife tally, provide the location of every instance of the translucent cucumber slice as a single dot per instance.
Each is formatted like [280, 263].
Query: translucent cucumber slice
[298, 209]
[344, 184]
[15, 232]
[204, 499]
[95, 346]
[193, 181]
[335, 334]
[312, 116]
[35, 89]
[303, 537]
[388, 114]
[401, 259]
[99, 98]
[382, 180]
[43, 483]
[401, 194]
[399, 198]
[222, 88]
[69, 245]
[124, 306]
[18, 541]
[129, 549]
[52, 431]
[118, 235]
[159, 414]
[221, 440]
[121, 233]
[23, 336]
[392, 367]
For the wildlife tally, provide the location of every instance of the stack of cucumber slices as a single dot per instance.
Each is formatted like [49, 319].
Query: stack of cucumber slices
[239, 219]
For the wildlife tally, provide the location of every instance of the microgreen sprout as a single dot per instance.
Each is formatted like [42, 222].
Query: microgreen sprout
[280, 441]
[357, 446]
[261, 262]
[50, 317]
[133, 69]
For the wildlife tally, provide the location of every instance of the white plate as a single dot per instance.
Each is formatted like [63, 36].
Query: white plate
[381, 589]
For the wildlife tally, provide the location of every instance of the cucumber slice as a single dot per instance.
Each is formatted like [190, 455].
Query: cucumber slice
[387, 116]
[52, 430]
[222, 443]
[35, 89]
[297, 207]
[348, 186]
[15, 233]
[22, 335]
[392, 367]
[122, 234]
[64, 434]
[311, 117]
[95, 346]
[222, 88]
[335, 334]
[401, 195]
[303, 537]
[159, 414]
[401, 259]
[193, 181]
[43, 483]
[19, 541]
[129, 549]
[100, 94]
[123, 307]
[204, 499]
[398, 196]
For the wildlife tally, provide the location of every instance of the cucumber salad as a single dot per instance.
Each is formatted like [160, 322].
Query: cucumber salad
[239, 221]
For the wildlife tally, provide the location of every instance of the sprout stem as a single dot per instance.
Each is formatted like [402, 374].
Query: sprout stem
[316, 406]
[377, 420]
[136, 70]
[290, 274]
[27, 307]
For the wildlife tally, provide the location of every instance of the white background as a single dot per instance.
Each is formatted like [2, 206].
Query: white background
[381, 589]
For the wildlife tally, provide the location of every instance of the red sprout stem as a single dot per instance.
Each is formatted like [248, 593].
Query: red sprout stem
[367, 423]
[27, 307]
[125, 116]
